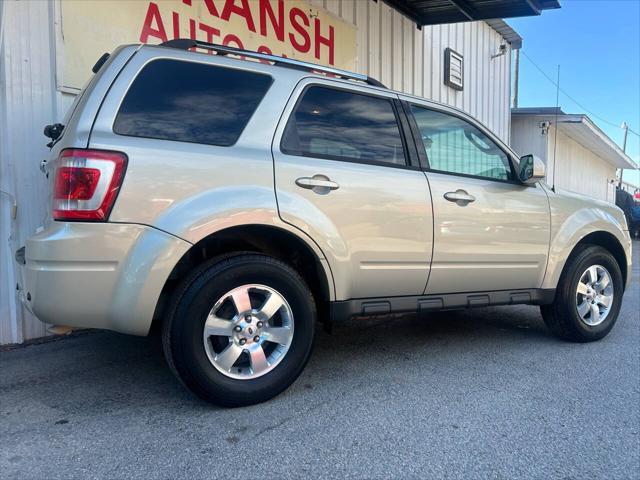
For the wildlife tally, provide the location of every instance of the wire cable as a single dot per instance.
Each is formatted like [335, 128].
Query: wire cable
[595, 115]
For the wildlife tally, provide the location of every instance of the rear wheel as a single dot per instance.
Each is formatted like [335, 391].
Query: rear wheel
[240, 330]
[588, 297]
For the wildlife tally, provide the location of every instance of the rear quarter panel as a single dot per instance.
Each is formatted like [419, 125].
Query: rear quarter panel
[193, 190]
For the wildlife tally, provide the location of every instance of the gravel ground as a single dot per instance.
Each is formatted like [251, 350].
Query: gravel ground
[487, 393]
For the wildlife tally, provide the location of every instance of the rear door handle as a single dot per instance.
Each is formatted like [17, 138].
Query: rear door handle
[461, 197]
[318, 183]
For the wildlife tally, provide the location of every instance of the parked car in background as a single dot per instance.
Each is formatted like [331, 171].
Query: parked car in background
[233, 203]
[634, 224]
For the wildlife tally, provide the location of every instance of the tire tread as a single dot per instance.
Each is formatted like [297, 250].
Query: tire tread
[558, 316]
[191, 284]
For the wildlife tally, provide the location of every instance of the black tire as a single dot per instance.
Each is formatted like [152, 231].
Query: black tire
[561, 317]
[188, 310]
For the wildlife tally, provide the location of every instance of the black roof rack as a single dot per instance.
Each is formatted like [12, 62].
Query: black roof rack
[186, 44]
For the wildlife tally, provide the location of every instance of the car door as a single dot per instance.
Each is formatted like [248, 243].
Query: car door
[490, 231]
[343, 175]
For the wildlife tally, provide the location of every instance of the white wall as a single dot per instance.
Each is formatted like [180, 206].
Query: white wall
[390, 48]
[527, 137]
[580, 170]
[27, 103]
[577, 168]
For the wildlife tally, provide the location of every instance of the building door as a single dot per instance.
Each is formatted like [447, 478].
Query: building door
[490, 232]
[343, 176]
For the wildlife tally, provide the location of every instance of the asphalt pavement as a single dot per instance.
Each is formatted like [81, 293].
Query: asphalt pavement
[486, 393]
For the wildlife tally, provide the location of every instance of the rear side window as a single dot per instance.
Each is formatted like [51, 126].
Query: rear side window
[341, 125]
[190, 102]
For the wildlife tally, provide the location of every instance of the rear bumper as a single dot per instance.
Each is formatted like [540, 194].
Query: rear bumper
[98, 275]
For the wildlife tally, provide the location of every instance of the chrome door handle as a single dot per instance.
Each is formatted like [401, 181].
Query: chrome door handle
[318, 183]
[461, 197]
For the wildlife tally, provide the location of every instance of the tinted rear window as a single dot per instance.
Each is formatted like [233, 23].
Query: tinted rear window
[190, 102]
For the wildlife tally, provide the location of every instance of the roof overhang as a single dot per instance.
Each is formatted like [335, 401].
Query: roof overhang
[434, 12]
[581, 129]
[509, 34]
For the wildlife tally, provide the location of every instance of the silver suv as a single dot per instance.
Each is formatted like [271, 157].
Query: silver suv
[235, 199]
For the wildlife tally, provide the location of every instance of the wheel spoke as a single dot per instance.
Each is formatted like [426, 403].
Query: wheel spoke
[604, 300]
[593, 274]
[258, 359]
[582, 288]
[228, 356]
[583, 308]
[604, 283]
[217, 326]
[271, 306]
[595, 314]
[279, 335]
[241, 300]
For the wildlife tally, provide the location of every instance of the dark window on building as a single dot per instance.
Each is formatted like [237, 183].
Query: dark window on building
[455, 146]
[341, 125]
[190, 102]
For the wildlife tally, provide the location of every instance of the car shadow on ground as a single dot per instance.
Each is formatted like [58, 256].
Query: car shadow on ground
[103, 368]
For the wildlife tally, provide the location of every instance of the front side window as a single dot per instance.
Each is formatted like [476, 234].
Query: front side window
[455, 146]
[341, 125]
[190, 102]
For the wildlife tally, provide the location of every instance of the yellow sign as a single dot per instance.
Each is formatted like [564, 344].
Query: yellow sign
[290, 28]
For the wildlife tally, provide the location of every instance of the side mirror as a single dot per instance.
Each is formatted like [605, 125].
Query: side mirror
[531, 169]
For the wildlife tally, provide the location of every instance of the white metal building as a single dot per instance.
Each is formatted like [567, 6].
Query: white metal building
[579, 157]
[402, 43]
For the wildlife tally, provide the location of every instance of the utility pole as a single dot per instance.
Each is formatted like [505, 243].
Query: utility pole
[625, 127]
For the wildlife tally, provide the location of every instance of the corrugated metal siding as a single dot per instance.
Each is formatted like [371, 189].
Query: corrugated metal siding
[527, 137]
[389, 47]
[393, 50]
[580, 170]
[27, 103]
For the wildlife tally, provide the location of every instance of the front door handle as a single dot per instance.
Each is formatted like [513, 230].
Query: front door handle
[318, 183]
[461, 197]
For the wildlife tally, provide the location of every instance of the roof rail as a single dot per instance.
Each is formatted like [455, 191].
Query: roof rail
[186, 44]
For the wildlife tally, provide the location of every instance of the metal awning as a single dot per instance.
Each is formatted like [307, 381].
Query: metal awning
[433, 12]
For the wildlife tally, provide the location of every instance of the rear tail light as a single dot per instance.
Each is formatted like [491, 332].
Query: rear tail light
[86, 184]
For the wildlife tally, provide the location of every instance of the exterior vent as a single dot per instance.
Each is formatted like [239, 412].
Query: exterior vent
[453, 69]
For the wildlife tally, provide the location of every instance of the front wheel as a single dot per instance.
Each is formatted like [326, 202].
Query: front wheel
[240, 330]
[588, 297]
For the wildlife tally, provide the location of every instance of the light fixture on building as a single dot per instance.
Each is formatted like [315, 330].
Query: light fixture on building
[502, 49]
[453, 69]
[544, 127]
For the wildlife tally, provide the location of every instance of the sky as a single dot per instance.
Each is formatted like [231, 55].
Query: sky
[597, 45]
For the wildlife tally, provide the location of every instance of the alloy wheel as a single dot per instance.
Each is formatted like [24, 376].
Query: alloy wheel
[594, 295]
[248, 331]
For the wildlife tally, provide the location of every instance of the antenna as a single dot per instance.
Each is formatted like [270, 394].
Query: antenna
[555, 133]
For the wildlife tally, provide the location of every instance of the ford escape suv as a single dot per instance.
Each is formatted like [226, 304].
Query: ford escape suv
[233, 198]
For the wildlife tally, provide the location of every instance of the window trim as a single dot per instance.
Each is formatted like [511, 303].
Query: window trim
[423, 154]
[414, 131]
[204, 64]
[408, 164]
